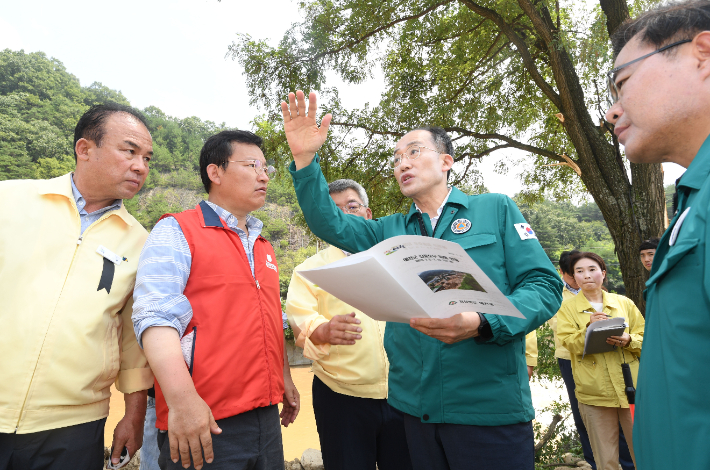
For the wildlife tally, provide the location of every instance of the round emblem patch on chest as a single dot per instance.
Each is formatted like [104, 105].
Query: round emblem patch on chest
[461, 226]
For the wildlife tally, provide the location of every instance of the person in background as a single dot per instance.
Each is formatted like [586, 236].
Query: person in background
[646, 251]
[660, 96]
[208, 314]
[599, 383]
[350, 363]
[531, 352]
[564, 361]
[68, 258]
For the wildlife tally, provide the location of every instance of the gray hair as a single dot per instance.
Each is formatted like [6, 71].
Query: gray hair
[338, 186]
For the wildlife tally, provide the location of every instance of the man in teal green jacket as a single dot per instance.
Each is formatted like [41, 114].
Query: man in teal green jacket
[462, 381]
[660, 89]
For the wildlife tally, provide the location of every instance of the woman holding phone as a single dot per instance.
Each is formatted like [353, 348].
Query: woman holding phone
[598, 377]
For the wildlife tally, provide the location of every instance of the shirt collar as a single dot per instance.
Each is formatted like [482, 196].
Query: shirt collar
[441, 207]
[571, 289]
[81, 202]
[455, 196]
[62, 187]
[254, 225]
[699, 169]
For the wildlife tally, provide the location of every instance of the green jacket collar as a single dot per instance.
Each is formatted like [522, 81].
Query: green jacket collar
[699, 169]
[457, 197]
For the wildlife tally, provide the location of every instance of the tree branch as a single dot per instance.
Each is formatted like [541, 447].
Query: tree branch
[616, 11]
[375, 31]
[549, 433]
[366, 128]
[465, 132]
[481, 154]
[511, 142]
[455, 36]
[522, 48]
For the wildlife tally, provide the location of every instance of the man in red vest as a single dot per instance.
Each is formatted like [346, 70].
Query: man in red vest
[208, 315]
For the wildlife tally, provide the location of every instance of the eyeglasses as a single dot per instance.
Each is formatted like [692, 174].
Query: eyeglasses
[412, 152]
[611, 76]
[258, 166]
[351, 207]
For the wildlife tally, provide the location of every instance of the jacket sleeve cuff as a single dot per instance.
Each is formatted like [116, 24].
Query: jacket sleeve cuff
[634, 345]
[531, 361]
[134, 380]
[312, 351]
[306, 171]
[485, 329]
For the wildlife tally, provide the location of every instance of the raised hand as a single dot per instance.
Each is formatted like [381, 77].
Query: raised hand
[302, 132]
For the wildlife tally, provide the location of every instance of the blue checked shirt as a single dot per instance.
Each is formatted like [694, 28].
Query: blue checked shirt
[89, 218]
[164, 268]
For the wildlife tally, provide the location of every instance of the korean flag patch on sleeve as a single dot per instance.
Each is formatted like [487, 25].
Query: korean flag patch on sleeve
[525, 231]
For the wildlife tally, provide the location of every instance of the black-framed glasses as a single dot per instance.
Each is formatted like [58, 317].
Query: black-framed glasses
[611, 76]
[351, 207]
[258, 166]
[412, 152]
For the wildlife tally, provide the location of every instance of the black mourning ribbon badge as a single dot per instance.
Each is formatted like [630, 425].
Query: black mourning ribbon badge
[111, 260]
[107, 276]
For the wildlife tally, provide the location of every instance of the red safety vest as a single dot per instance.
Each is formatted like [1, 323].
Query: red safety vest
[238, 348]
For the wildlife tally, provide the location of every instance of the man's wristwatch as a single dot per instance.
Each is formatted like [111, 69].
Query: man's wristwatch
[484, 330]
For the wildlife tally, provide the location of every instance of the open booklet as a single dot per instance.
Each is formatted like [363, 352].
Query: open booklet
[599, 331]
[410, 276]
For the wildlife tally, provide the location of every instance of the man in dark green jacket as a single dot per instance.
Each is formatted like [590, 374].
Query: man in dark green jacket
[462, 382]
[660, 89]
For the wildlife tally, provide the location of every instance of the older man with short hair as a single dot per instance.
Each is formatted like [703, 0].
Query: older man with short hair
[68, 259]
[461, 382]
[660, 90]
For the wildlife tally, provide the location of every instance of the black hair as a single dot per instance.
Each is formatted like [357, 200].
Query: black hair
[441, 140]
[666, 24]
[91, 123]
[650, 244]
[218, 149]
[565, 265]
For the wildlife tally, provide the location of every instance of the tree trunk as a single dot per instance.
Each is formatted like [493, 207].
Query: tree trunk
[632, 209]
[616, 13]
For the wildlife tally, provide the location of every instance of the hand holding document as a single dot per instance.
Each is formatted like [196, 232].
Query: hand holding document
[599, 331]
[409, 276]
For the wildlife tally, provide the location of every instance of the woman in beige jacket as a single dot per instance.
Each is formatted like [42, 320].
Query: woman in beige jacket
[598, 378]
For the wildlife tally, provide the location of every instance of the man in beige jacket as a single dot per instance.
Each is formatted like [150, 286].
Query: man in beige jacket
[357, 428]
[68, 258]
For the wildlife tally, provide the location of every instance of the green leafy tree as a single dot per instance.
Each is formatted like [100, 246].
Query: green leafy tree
[497, 75]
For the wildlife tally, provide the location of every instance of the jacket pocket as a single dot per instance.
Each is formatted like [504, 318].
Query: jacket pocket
[475, 240]
[112, 356]
[588, 378]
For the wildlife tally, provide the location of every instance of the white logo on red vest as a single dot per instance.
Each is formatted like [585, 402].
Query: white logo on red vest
[269, 264]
